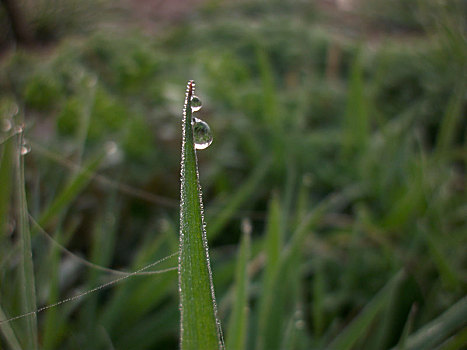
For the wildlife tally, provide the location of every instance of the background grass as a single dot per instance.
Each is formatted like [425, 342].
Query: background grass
[340, 137]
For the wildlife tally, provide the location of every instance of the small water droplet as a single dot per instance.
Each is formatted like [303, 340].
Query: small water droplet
[6, 125]
[196, 104]
[25, 149]
[114, 154]
[19, 128]
[202, 134]
[111, 147]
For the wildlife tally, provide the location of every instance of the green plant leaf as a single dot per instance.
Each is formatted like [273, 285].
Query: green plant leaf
[239, 318]
[440, 328]
[28, 292]
[71, 190]
[361, 324]
[200, 326]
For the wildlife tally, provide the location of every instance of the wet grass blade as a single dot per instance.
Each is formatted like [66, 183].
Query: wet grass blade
[362, 323]
[273, 245]
[200, 327]
[239, 318]
[28, 292]
[439, 329]
[71, 190]
[8, 333]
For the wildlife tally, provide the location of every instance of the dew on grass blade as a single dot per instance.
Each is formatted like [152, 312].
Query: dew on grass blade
[25, 149]
[196, 104]
[19, 128]
[201, 133]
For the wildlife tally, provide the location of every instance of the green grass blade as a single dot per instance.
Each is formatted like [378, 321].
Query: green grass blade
[200, 327]
[450, 124]
[407, 328]
[456, 342]
[361, 324]
[28, 292]
[440, 328]
[272, 246]
[244, 193]
[8, 333]
[318, 290]
[236, 339]
[69, 193]
[6, 166]
[356, 122]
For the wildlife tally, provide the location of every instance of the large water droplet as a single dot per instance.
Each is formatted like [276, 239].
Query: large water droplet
[202, 134]
[196, 104]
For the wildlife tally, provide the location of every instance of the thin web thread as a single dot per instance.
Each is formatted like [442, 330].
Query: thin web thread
[102, 286]
[82, 260]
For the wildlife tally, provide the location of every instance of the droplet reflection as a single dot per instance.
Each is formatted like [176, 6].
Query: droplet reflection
[196, 104]
[202, 134]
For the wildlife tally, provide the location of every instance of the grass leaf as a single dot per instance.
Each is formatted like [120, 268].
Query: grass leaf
[440, 328]
[361, 324]
[200, 327]
[239, 318]
[28, 293]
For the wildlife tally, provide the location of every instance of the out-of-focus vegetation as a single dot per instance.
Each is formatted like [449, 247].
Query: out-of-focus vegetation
[339, 140]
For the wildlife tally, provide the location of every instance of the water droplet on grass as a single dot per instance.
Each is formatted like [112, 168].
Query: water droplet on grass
[196, 104]
[19, 128]
[25, 149]
[202, 134]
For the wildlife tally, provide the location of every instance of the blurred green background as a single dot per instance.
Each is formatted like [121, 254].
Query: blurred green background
[340, 142]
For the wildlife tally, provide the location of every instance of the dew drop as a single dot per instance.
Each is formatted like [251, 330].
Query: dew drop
[6, 125]
[25, 149]
[196, 104]
[202, 134]
[19, 128]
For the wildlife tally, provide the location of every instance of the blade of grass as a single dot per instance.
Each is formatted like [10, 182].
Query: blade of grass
[6, 166]
[28, 292]
[450, 122]
[361, 324]
[407, 328]
[440, 328]
[356, 122]
[8, 333]
[272, 246]
[318, 289]
[243, 194]
[236, 339]
[457, 342]
[69, 193]
[200, 326]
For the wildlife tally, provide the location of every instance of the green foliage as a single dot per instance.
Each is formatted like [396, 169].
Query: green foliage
[41, 92]
[346, 154]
